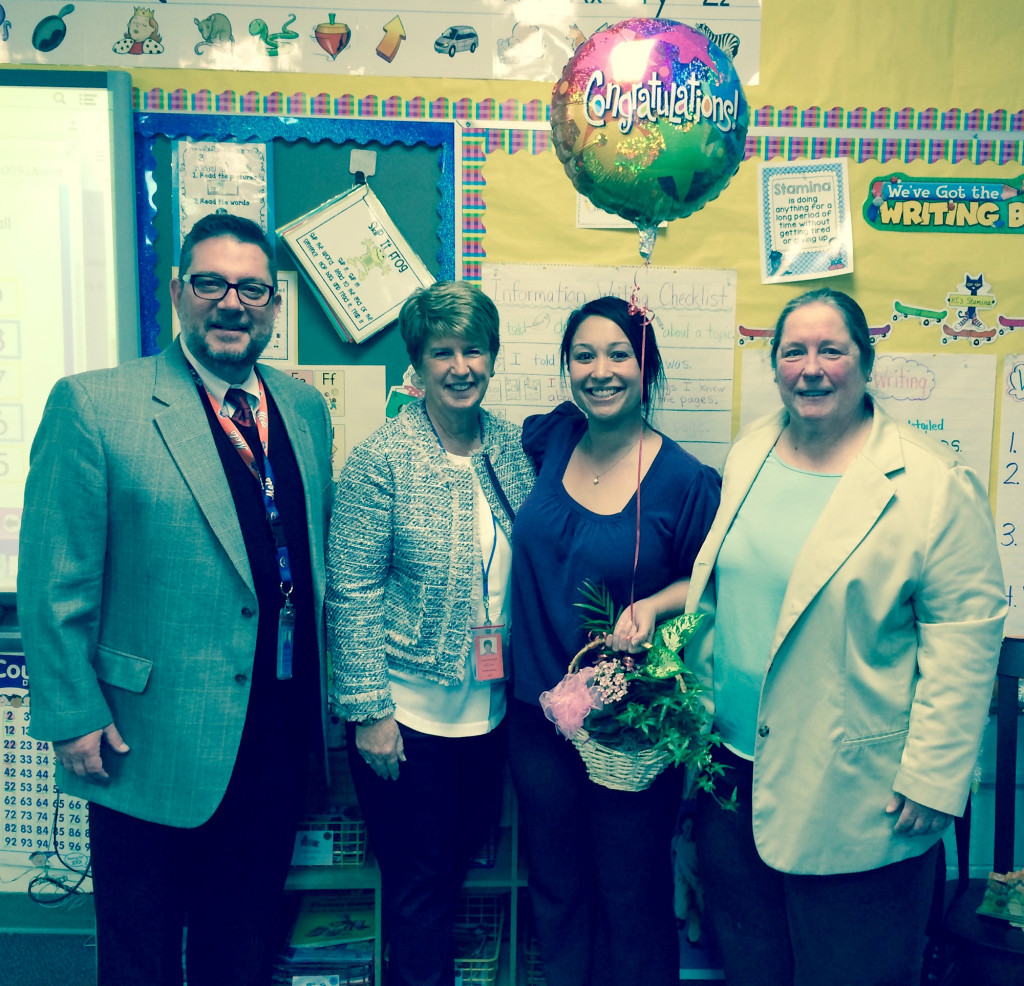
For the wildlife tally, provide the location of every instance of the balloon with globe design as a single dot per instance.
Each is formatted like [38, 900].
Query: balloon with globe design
[650, 121]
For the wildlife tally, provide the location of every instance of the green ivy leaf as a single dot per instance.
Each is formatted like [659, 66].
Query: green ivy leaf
[662, 663]
[676, 633]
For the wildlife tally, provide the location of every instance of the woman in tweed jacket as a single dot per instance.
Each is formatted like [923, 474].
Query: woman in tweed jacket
[418, 564]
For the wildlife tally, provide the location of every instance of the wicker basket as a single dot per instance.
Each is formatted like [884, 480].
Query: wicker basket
[618, 769]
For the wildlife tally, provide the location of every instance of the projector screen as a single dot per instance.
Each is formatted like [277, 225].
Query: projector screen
[68, 272]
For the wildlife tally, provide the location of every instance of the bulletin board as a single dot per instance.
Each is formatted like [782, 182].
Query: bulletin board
[513, 192]
[414, 179]
[935, 293]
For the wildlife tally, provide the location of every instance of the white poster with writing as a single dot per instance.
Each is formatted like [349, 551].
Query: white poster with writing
[38, 821]
[804, 218]
[694, 317]
[355, 397]
[1010, 491]
[221, 177]
[936, 392]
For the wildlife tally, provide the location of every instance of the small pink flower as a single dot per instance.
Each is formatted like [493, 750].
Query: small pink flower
[571, 701]
[610, 679]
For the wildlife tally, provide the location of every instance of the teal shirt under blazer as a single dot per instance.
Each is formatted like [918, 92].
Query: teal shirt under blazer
[881, 666]
[135, 597]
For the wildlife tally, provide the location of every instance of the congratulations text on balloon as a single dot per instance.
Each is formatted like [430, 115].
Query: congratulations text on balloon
[683, 102]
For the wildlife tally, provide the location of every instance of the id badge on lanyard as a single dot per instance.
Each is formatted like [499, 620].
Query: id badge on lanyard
[488, 656]
[488, 637]
[285, 639]
[265, 478]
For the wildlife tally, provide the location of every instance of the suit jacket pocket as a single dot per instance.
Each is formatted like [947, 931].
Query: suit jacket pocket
[892, 736]
[114, 667]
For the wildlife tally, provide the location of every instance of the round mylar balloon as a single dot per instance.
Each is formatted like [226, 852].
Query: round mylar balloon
[650, 121]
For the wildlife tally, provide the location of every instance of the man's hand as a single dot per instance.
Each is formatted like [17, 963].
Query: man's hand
[914, 818]
[82, 755]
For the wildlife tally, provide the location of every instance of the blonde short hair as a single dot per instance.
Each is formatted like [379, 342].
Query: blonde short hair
[448, 309]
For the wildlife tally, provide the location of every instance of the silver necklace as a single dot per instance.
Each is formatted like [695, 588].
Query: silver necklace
[608, 469]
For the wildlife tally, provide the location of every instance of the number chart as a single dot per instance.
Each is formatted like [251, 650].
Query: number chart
[1010, 492]
[30, 796]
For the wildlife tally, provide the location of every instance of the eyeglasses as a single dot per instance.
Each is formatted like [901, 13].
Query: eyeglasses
[210, 287]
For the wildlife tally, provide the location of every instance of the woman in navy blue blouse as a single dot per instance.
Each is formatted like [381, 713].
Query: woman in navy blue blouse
[599, 860]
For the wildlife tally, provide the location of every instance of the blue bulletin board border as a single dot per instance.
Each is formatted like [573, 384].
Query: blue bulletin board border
[265, 129]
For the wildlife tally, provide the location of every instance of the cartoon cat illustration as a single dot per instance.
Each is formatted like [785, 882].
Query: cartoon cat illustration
[972, 285]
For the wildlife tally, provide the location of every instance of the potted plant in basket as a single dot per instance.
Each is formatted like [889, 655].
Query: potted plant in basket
[632, 715]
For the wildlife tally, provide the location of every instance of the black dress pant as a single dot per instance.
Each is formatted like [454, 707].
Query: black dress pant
[424, 829]
[780, 929]
[601, 884]
[222, 881]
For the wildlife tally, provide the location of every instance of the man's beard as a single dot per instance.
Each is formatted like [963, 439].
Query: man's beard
[249, 355]
[196, 340]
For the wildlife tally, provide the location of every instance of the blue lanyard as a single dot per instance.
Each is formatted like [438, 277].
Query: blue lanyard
[276, 527]
[485, 572]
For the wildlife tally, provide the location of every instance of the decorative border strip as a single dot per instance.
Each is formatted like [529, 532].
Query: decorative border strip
[888, 119]
[348, 107]
[474, 156]
[537, 111]
[510, 141]
[907, 149]
[859, 149]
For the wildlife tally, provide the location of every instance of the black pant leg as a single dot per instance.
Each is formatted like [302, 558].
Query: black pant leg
[139, 895]
[424, 828]
[550, 783]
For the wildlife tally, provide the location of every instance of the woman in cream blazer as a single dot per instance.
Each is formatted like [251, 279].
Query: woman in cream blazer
[854, 729]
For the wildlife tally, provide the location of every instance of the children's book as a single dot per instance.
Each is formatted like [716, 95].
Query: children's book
[333, 919]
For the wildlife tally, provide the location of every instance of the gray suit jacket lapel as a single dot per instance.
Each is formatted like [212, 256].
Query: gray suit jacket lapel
[301, 439]
[182, 422]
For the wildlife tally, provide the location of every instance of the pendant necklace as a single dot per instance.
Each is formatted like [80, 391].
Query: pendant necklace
[608, 469]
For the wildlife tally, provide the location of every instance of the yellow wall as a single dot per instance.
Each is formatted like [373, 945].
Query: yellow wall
[917, 53]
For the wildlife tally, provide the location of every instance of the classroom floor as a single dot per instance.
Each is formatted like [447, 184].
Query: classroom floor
[43, 960]
[42, 946]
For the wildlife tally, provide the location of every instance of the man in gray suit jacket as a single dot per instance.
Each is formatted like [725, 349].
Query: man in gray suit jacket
[170, 595]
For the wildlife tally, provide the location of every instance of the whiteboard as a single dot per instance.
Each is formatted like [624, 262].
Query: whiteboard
[68, 272]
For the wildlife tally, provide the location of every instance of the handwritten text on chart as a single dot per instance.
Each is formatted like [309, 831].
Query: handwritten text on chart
[1010, 492]
[937, 393]
[693, 313]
